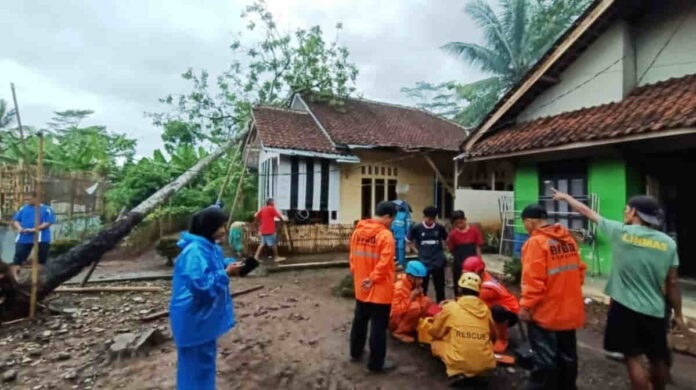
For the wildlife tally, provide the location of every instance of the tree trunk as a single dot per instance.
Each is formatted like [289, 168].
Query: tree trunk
[71, 263]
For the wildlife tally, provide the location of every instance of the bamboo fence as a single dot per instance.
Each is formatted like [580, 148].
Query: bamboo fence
[306, 239]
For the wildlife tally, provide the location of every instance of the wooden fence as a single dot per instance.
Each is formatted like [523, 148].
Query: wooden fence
[147, 233]
[308, 239]
[71, 194]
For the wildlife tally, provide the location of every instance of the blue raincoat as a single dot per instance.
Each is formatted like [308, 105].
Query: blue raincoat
[400, 227]
[200, 310]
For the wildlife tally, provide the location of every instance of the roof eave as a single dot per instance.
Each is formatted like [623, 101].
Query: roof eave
[467, 156]
[566, 42]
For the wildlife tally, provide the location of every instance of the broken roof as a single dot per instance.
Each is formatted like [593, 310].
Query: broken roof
[290, 129]
[354, 123]
[369, 123]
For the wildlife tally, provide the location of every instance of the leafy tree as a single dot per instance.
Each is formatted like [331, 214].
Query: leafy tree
[264, 71]
[267, 71]
[68, 119]
[71, 148]
[514, 39]
[441, 99]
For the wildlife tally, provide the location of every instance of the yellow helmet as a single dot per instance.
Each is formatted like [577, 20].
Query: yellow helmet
[470, 281]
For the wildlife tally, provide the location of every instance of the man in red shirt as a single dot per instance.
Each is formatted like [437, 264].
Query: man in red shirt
[266, 217]
[463, 242]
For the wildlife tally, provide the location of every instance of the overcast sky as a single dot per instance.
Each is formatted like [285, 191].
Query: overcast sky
[117, 57]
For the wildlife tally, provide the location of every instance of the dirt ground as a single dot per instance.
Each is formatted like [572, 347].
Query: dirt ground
[293, 334]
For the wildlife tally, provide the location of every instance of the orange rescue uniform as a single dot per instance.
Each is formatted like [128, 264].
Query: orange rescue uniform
[405, 313]
[493, 293]
[372, 249]
[552, 278]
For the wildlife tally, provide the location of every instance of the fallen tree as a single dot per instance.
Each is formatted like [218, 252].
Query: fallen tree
[68, 265]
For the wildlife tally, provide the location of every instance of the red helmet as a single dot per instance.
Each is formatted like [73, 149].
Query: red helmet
[474, 264]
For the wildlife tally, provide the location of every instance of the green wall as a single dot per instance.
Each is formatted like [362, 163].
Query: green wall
[610, 178]
[526, 189]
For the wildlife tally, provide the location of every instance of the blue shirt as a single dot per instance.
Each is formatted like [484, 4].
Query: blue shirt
[26, 217]
[201, 307]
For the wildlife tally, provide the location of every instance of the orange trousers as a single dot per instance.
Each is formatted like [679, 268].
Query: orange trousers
[407, 323]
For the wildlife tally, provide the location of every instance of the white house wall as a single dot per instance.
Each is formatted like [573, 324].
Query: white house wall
[283, 194]
[679, 56]
[605, 88]
[334, 192]
[592, 80]
[283, 188]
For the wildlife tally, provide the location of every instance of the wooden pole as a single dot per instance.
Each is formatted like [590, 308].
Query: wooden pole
[37, 232]
[228, 176]
[439, 175]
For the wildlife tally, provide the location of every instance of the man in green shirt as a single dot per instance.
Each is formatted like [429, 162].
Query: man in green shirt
[644, 272]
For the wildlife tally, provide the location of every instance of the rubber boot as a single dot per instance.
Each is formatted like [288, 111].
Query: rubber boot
[501, 343]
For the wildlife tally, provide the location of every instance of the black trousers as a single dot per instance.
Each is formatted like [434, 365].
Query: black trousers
[456, 275]
[503, 315]
[555, 359]
[438, 281]
[377, 316]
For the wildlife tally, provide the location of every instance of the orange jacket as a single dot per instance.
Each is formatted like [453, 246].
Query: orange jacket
[402, 296]
[494, 293]
[372, 249]
[552, 278]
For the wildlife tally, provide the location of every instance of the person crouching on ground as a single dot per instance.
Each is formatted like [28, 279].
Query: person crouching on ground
[372, 251]
[552, 301]
[409, 303]
[504, 306]
[463, 332]
[201, 307]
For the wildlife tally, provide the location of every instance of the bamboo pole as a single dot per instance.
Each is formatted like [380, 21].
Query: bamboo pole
[37, 234]
[107, 289]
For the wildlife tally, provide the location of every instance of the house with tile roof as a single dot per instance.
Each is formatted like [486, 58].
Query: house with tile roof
[607, 113]
[333, 164]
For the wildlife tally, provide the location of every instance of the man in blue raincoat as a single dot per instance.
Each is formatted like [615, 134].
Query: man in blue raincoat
[201, 307]
[400, 227]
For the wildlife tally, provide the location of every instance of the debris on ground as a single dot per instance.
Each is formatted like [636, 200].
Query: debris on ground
[293, 334]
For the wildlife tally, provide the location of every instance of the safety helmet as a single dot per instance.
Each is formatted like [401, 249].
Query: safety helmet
[474, 264]
[471, 281]
[416, 268]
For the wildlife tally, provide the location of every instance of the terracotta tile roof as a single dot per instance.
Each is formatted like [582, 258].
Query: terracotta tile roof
[363, 122]
[657, 107]
[290, 129]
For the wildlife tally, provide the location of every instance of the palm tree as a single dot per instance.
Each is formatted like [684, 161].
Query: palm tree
[505, 52]
[6, 116]
[514, 39]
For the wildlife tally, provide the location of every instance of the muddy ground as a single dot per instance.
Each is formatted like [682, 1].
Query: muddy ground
[293, 334]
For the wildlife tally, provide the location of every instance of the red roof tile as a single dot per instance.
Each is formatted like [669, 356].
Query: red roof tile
[290, 129]
[363, 122]
[657, 107]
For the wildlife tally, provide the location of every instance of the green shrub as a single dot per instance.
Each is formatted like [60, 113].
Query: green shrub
[491, 243]
[167, 248]
[58, 247]
[513, 269]
[345, 287]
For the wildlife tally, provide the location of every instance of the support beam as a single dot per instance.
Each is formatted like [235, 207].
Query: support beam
[456, 174]
[439, 175]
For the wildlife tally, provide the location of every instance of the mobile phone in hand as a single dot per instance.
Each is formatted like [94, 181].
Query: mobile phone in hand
[249, 265]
